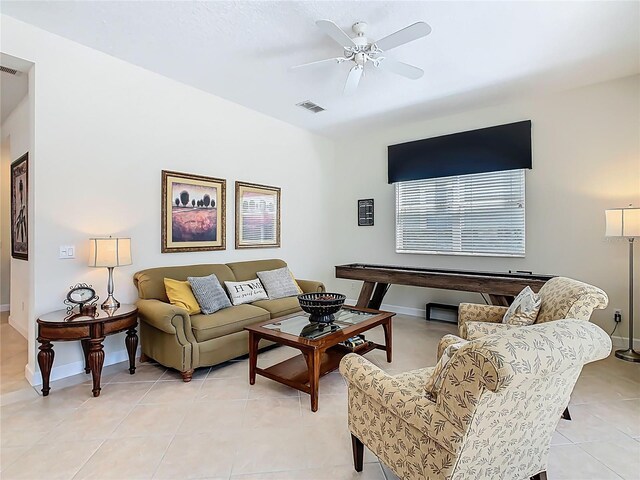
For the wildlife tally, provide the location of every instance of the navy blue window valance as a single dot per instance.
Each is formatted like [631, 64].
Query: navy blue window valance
[503, 147]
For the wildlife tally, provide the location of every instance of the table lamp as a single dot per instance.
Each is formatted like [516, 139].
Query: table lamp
[109, 252]
[625, 222]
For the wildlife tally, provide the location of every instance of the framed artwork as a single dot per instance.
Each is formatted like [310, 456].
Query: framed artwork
[20, 208]
[257, 216]
[193, 213]
[365, 212]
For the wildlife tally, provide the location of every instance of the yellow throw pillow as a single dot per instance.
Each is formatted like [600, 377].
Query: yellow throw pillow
[300, 292]
[180, 295]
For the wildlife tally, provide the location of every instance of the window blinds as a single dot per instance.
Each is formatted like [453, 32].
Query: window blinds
[477, 214]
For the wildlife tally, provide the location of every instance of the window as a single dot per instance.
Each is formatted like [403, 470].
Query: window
[477, 214]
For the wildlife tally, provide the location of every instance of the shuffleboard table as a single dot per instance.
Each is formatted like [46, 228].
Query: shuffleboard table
[501, 287]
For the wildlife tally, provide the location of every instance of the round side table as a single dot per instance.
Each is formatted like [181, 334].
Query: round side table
[91, 330]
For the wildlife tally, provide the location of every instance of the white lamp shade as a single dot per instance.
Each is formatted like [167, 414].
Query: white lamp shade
[623, 222]
[109, 252]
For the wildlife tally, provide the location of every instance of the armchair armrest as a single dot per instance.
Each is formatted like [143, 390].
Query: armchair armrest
[473, 312]
[311, 286]
[408, 402]
[167, 318]
[447, 340]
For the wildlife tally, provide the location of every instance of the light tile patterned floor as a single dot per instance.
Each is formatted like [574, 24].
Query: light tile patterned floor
[152, 425]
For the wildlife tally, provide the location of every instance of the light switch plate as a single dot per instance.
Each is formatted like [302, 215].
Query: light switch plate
[67, 252]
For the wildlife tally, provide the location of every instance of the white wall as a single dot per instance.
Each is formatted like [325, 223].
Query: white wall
[15, 134]
[105, 130]
[586, 158]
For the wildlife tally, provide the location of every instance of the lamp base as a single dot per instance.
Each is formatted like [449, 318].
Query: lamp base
[110, 303]
[629, 355]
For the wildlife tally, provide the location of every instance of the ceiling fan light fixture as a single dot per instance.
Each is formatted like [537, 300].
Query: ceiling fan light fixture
[359, 50]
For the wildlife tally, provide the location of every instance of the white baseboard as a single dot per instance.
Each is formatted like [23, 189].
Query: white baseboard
[75, 368]
[19, 328]
[623, 342]
[4, 307]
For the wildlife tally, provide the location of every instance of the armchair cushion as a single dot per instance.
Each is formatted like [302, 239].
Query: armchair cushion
[434, 381]
[524, 309]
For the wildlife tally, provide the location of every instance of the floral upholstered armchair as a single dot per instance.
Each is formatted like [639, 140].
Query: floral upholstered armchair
[491, 415]
[560, 298]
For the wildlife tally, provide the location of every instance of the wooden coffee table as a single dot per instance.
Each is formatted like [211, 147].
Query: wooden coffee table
[321, 352]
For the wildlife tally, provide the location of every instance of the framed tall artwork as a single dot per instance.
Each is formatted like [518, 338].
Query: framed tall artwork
[257, 216]
[20, 208]
[193, 212]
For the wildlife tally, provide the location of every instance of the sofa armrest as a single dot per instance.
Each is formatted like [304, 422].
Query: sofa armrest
[407, 402]
[474, 312]
[310, 286]
[167, 318]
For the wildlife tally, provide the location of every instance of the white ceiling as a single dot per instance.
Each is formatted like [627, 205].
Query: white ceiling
[479, 52]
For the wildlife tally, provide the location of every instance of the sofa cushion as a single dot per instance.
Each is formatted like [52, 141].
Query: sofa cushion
[279, 283]
[279, 307]
[226, 321]
[246, 292]
[209, 293]
[181, 295]
[249, 270]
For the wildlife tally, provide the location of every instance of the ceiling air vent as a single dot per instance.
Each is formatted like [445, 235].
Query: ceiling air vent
[312, 107]
[8, 70]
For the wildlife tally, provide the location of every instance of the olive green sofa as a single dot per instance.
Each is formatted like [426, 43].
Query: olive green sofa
[173, 338]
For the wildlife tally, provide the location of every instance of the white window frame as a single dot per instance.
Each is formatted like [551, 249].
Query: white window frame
[453, 187]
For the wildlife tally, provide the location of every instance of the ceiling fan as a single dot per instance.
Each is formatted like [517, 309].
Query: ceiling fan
[360, 50]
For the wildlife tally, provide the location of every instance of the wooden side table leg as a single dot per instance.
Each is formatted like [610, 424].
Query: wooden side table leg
[314, 378]
[85, 350]
[254, 340]
[96, 360]
[45, 361]
[388, 338]
[131, 342]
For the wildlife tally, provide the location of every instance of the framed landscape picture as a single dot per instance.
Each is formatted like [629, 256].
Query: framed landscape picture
[20, 208]
[193, 212]
[257, 216]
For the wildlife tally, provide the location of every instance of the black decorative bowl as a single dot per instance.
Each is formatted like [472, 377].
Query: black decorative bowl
[321, 305]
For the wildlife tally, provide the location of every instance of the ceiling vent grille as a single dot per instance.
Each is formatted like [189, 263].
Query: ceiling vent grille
[312, 107]
[10, 71]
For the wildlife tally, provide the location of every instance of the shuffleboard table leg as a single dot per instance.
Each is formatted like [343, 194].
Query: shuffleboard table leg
[378, 295]
[365, 294]
[499, 300]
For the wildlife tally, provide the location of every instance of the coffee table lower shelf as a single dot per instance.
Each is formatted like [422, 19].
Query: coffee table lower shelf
[294, 372]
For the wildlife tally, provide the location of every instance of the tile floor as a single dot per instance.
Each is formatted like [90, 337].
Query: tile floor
[13, 357]
[152, 425]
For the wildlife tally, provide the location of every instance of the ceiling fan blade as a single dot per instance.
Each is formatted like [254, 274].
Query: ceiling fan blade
[335, 32]
[319, 62]
[352, 80]
[406, 35]
[401, 68]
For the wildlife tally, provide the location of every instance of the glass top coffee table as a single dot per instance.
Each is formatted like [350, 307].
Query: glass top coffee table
[319, 345]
